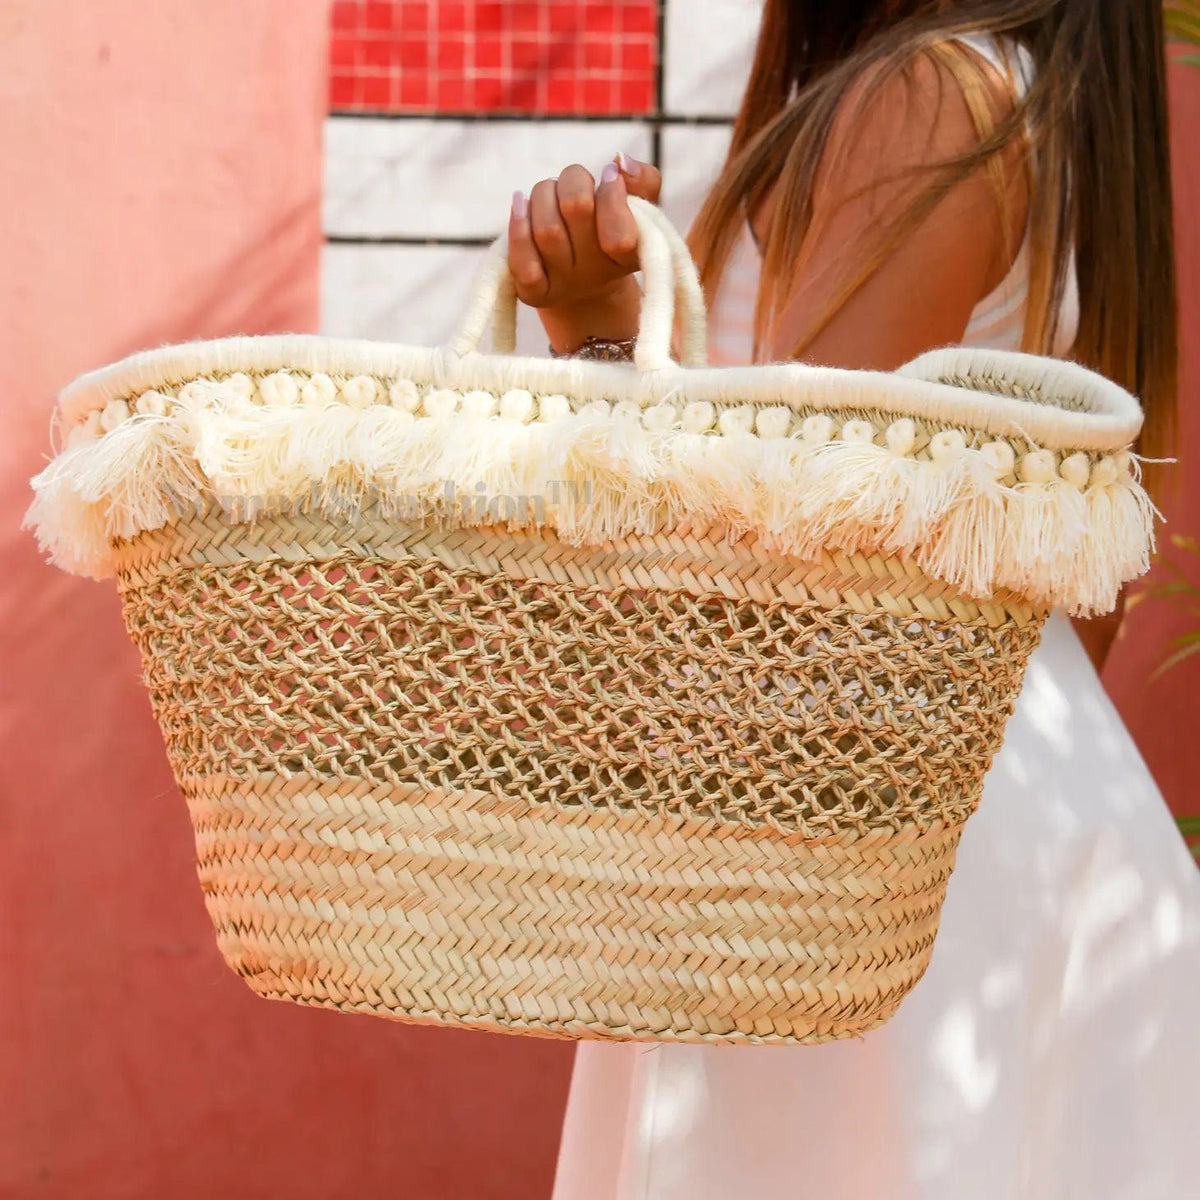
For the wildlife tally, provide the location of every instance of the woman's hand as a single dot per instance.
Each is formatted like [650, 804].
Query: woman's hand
[572, 250]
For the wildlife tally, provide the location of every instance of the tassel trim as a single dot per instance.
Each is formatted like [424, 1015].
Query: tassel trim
[982, 514]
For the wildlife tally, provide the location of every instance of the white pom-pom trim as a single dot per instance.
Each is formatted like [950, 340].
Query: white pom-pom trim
[1038, 466]
[115, 413]
[773, 422]
[360, 391]
[404, 395]
[241, 383]
[153, 404]
[659, 417]
[440, 402]
[735, 421]
[1076, 469]
[858, 431]
[478, 403]
[1001, 457]
[517, 404]
[699, 416]
[318, 389]
[553, 407]
[278, 388]
[901, 436]
[817, 428]
[946, 444]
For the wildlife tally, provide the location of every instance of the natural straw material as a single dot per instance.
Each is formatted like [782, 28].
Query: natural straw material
[581, 699]
[488, 778]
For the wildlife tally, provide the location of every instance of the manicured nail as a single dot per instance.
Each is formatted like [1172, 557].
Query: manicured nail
[520, 206]
[610, 173]
[629, 165]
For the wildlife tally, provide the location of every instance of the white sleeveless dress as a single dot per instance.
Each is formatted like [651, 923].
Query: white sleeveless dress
[1052, 1050]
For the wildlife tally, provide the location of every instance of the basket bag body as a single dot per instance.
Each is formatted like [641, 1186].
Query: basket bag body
[588, 699]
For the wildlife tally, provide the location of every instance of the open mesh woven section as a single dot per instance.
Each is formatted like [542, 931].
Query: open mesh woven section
[808, 715]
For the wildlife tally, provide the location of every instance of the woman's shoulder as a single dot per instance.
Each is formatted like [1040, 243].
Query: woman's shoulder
[941, 94]
[937, 105]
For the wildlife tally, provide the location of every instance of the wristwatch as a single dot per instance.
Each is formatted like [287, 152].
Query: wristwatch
[600, 349]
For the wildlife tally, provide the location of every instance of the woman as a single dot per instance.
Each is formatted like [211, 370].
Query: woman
[905, 174]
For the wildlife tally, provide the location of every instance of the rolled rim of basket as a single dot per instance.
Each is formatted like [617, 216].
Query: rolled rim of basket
[993, 470]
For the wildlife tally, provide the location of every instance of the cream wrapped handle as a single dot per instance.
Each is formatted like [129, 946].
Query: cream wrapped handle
[670, 277]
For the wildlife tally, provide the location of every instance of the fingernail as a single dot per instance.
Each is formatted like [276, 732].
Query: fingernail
[520, 206]
[609, 173]
[629, 165]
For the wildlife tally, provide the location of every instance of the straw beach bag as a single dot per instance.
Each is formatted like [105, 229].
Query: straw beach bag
[580, 698]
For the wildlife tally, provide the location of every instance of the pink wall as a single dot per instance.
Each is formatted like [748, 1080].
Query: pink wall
[161, 181]
[1164, 714]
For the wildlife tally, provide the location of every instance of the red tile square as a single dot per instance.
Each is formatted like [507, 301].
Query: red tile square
[451, 17]
[565, 17]
[375, 92]
[343, 52]
[489, 18]
[523, 18]
[522, 95]
[598, 55]
[600, 18]
[378, 54]
[342, 91]
[489, 92]
[451, 54]
[378, 15]
[638, 18]
[414, 15]
[413, 54]
[344, 15]
[414, 91]
[488, 52]
[637, 55]
[560, 94]
[598, 95]
[637, 95]
[527, 55]
[451, 95]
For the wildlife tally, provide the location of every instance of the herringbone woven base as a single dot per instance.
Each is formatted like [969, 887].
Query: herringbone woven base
[670, 788]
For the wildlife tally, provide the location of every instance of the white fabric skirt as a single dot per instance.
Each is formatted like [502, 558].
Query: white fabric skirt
[1051, 1052]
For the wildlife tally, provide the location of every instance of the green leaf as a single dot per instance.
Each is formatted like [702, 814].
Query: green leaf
[1189, 644]
[1161, 591]
[1189, 827]
[1183, 22]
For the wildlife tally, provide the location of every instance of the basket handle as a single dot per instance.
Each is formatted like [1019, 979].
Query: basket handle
[670, 277]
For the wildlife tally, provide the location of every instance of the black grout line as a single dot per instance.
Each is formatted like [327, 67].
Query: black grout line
[531, 118]
[400, 239]
[660, 67]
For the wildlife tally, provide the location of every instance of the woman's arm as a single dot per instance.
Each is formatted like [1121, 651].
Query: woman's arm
[922, 294]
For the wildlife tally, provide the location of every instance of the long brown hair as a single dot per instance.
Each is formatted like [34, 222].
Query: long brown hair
[1095, 118]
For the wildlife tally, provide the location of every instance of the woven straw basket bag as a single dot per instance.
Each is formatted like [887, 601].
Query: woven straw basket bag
[580, 698]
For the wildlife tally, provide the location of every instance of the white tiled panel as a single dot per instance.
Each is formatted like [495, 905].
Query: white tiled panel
[692, 156]
[412, 294]
[453, 178]
[709, 48]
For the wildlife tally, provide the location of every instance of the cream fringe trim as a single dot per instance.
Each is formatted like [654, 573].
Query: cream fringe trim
[603, 475]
